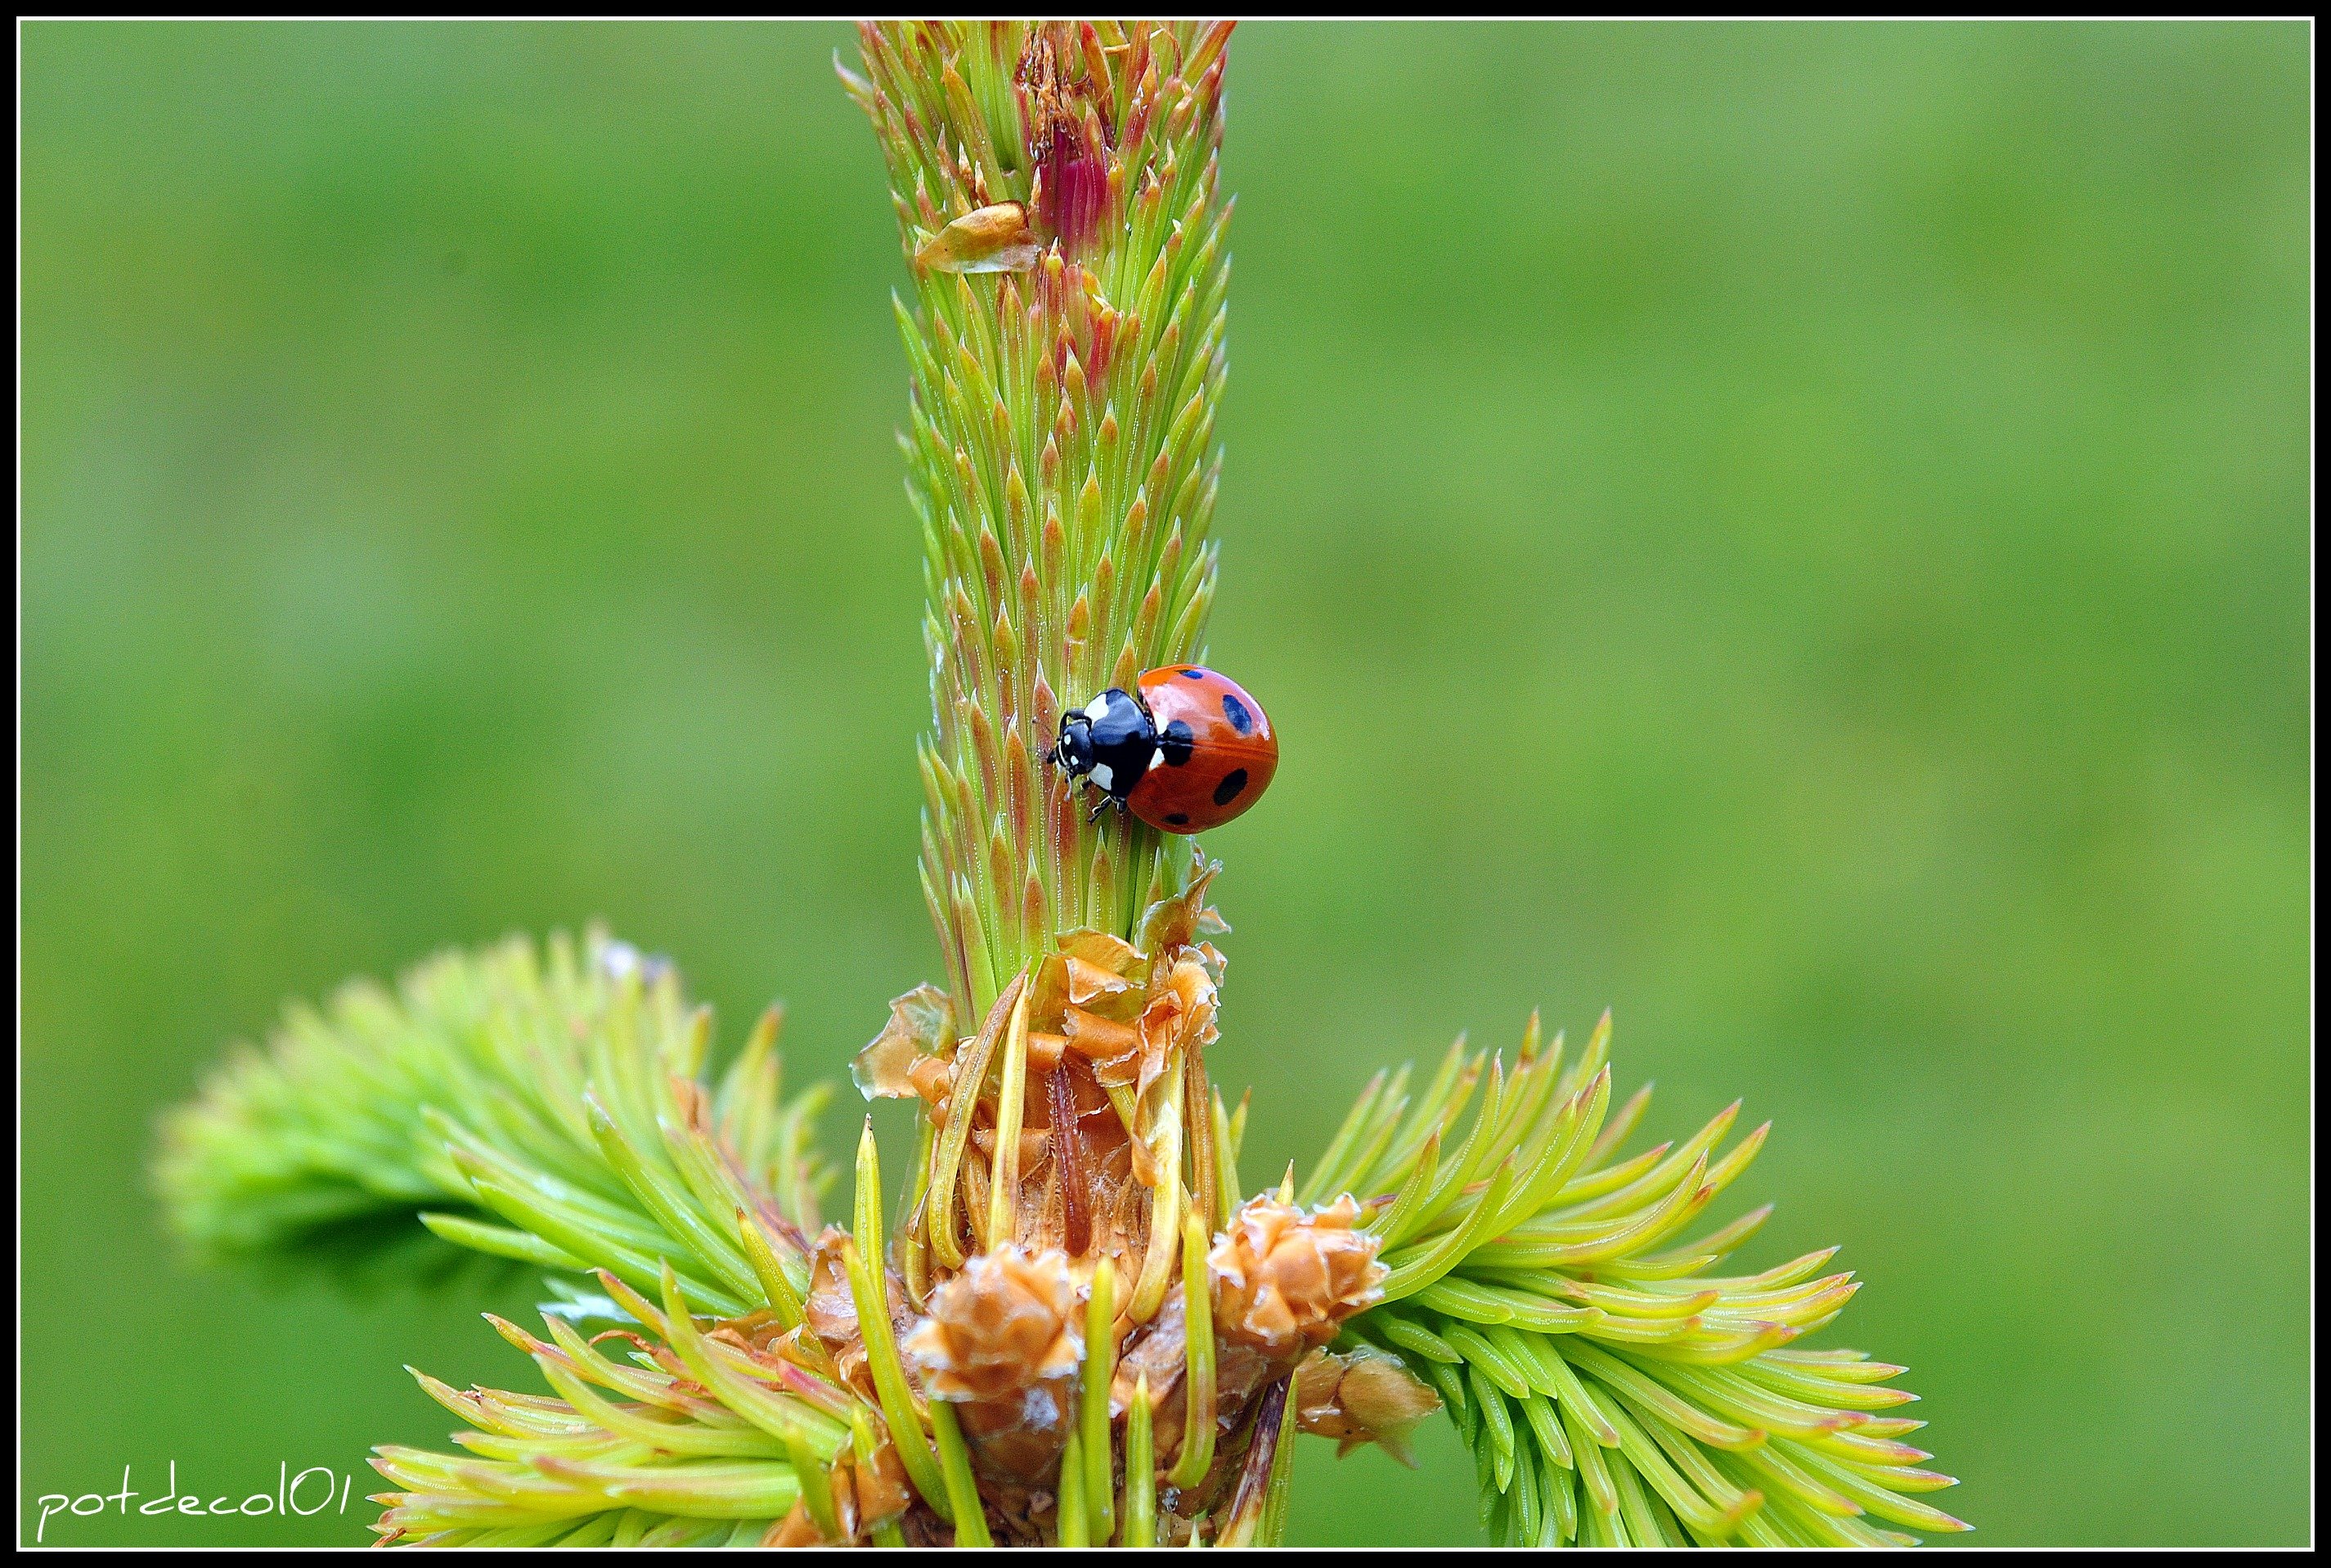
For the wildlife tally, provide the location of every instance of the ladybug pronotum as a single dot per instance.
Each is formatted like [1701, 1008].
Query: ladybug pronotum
[1186, 750]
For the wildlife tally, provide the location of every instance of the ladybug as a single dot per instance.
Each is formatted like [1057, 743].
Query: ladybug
[1186, 750]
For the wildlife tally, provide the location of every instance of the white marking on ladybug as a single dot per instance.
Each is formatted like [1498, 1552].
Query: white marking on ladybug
[1097, 710]
[1102, 777]
[1157, 757]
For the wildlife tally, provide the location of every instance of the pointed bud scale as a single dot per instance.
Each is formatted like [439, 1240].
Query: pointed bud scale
[933, 775]
[991, 569]
[962, 113]
[1189, 626]
[1206, 55]
[1188, 428]
[1145, 622]
[1104, 339]
[1102, 880]
[1088, 500]
[967, 677]
[1006, 643]
[999, 422]
[1034, 905]
[974, 719]
[1151, 299]
[1136, 131]
[1179, 119]
[1096, 57]
[936, 837]
[1169, 560]
[1055, 539]
[1017, 503]
[1032, 588]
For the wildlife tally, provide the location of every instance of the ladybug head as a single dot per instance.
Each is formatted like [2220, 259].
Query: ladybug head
[1074, 750]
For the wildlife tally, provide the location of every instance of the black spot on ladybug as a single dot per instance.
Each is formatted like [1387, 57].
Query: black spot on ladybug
[1235, 711]
[1194, 673]
[1228, 790]
[1178, 743]
[1179, 818]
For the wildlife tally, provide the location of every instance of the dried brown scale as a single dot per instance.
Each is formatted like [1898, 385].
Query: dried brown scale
[1362, 1396]
[1159, 1351]
[1163, 1007]
[830, 1313]
[1286, 1279]
[1001, 1342]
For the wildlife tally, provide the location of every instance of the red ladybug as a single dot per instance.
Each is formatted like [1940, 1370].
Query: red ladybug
[1187, 751]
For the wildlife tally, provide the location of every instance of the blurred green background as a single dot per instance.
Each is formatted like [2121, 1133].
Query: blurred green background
[1797, 533]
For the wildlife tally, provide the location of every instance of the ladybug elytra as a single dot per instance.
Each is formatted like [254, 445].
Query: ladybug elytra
[1186, 750]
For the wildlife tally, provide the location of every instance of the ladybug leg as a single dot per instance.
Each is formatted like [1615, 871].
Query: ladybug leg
[1101, 805]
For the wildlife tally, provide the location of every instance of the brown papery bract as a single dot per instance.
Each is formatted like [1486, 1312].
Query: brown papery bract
[1285, 1279]
[1364, 1396]
[1007, 1322]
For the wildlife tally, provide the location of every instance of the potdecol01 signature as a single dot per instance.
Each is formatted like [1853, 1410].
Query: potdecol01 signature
[301, 1495]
